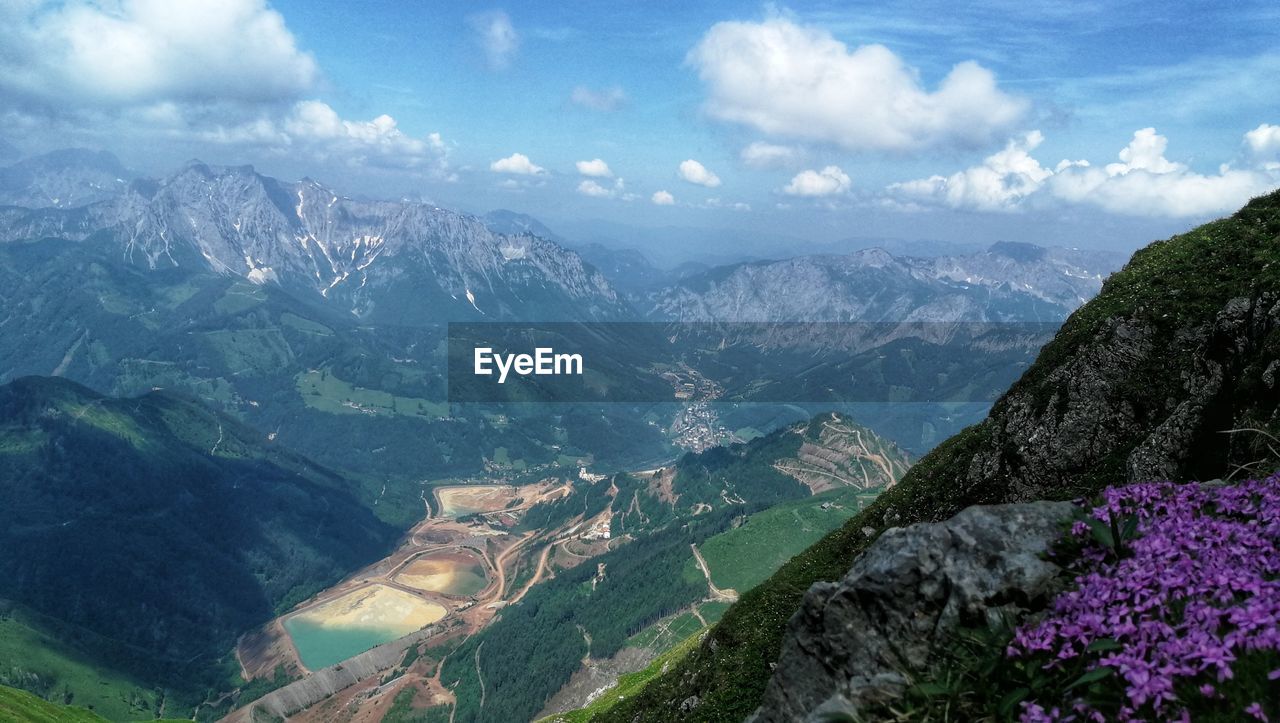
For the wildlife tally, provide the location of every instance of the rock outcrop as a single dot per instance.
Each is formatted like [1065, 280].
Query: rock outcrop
[1172, 371]
[851, 641]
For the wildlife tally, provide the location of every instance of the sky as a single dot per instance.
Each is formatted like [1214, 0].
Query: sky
[791, 126]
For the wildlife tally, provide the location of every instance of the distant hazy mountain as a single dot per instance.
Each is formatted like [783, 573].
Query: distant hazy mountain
[401, 262]
[63, 179]
[627, 269]
[1006, 282]
[630, 271]
[911, 247]
[513, 223]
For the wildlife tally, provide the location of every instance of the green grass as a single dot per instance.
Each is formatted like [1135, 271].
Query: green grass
[305, 325]
[240, 297]
[177, 294]
[1170, 286]
[746, 556]
[666, 633]
[323, 391]
[19, 705]
[628, 685]
[260, 351]
[138, 376]
[107, 420]
[502, 456]
[713, 611]
[402, 710]
[32, 659]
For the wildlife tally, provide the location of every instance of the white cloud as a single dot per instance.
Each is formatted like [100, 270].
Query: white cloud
[1264, 141]
[497, 37]
[136, 52]
[591, 188]
[827, 182]
[1143, 183]
[715, 202]
[797, 81]
[998, 184]
[604, 100]
[769, 155]
[595, 168]
[1145, 153]
[518, 164]
[314, 129]
[595, 190]
[663, 198]
[226, 72]
[695, 172]
[374, 142]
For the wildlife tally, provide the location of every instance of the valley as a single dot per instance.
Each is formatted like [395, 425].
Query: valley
[582, 538]
[639, 362]
[452, 566]
[482, 550]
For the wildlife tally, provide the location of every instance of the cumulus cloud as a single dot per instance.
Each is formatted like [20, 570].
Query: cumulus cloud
[797, 81]
[596, 190]
[497, 37]
[827, 182]
[769, 155]
[663, 198]
[314, 128]
[997, 184]
[517, 164]
[591, 188]
[1143, 183]
[695, 172]
[595, 168]
[604, 100]
[138, 52]
[374, 142]
[1264, 141]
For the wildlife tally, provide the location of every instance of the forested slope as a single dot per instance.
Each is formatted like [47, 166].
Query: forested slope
[1171, 372]
[152, 531]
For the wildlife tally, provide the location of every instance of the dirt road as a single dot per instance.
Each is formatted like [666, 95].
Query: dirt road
[717, 594]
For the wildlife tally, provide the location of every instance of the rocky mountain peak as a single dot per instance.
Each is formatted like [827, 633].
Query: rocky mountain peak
[63, 179]
[370, 257]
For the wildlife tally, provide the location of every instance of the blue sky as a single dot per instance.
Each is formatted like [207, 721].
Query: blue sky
[807, 122]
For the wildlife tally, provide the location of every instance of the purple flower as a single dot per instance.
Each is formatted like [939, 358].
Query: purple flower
[1196, 588]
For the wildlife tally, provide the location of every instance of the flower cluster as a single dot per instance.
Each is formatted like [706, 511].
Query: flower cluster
[1167, 614]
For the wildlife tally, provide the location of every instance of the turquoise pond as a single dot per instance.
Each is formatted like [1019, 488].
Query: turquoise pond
[320, 646]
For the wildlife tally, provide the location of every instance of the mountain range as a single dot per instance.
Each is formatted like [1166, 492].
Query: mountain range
[314, 322]
[384, 262]
[1006, 282]
[1169, 373]
[319, 318]
[411, 262]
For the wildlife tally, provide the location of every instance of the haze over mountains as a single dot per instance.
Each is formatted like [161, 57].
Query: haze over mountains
[1008, 282]
[373, 257]
[315, 322]
[284, 302]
